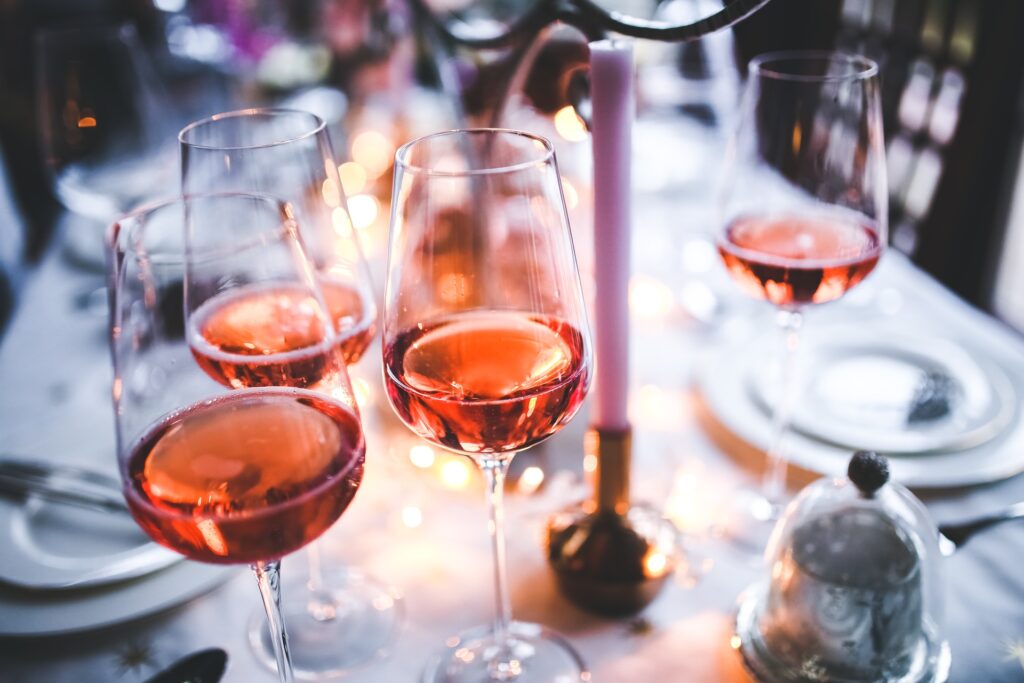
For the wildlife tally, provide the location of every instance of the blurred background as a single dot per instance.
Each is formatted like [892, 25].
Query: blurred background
[93, 92]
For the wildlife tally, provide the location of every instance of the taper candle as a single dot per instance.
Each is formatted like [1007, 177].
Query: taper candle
[612, 98]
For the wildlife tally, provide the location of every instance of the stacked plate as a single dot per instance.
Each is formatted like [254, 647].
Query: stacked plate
[945, 414]
[66, 569]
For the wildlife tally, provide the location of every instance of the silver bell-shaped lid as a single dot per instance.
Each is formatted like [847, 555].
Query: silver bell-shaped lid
[854, 592]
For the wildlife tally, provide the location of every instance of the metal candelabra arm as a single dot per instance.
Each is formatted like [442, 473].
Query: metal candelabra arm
[593, 20]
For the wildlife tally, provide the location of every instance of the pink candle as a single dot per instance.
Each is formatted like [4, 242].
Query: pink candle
[611, 92]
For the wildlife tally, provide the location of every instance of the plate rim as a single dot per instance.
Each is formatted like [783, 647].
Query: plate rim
[717, 368]
[15, 518]
[186, 580]
[1003, 392]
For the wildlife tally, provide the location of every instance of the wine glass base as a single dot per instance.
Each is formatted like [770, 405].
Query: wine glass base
[349, 623]
[534, 655]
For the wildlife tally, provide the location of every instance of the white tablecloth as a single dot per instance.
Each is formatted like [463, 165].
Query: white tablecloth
[54, 404]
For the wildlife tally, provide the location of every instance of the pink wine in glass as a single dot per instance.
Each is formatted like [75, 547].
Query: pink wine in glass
[799, 259]
[263, 336]
[491, 382]
[352, 316]
[249, 476]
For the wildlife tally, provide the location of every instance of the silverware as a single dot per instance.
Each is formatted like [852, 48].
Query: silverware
[954, 536]
[61, 484]
[205, 666]
[87, 489]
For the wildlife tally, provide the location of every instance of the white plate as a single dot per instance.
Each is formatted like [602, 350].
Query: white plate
[52, 547]
[859, 389]
[50, 613]
[48, 544]
[722, 382]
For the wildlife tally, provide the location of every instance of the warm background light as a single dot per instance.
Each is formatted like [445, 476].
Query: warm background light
[374, 152]
[650, 298]
[353, 177]
[342, 224]
[569, 125]
[364, 209]
[531, 479]
[655, 563]
[331, 194]
[695, 503]
[422, 456]
[455, 474]
[412, 516]
[658, 409]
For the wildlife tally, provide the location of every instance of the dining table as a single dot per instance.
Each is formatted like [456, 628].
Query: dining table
[418, 521]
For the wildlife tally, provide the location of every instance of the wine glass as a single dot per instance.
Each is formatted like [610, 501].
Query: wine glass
[485, 342]
[287, 153]
[341, 617]
[106, 127]
[222, 476]
[804, 207]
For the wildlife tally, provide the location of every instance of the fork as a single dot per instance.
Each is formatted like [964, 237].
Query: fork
[954, 536]
[61, 484]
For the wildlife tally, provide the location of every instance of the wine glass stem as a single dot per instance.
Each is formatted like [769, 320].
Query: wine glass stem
[790, 321]
[268, 575]
[494, 472]
[321, 605]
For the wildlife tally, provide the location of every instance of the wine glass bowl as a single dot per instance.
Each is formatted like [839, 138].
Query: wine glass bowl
[803, 202]
[485, 345]
[297, 461]
[287, 153]
[795, 259]
[485, 325]
[257, 322]
[488, 383]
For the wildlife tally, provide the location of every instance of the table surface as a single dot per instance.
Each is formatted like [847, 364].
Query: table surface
[54, 404]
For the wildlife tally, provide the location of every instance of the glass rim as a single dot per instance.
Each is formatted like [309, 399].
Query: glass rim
[319, 126]
[139, 214]
[404, 151]
[861, 67]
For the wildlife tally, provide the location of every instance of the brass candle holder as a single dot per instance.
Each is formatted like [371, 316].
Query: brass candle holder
[611, 557]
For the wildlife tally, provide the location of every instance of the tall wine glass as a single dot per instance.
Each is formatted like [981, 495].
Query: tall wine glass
[804, 206]
[485, 342]
[221, 476]
[106, 125]
[287, 154]
[340, 618]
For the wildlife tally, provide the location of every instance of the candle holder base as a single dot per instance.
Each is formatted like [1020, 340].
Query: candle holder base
[611, 557]
[610, 563]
